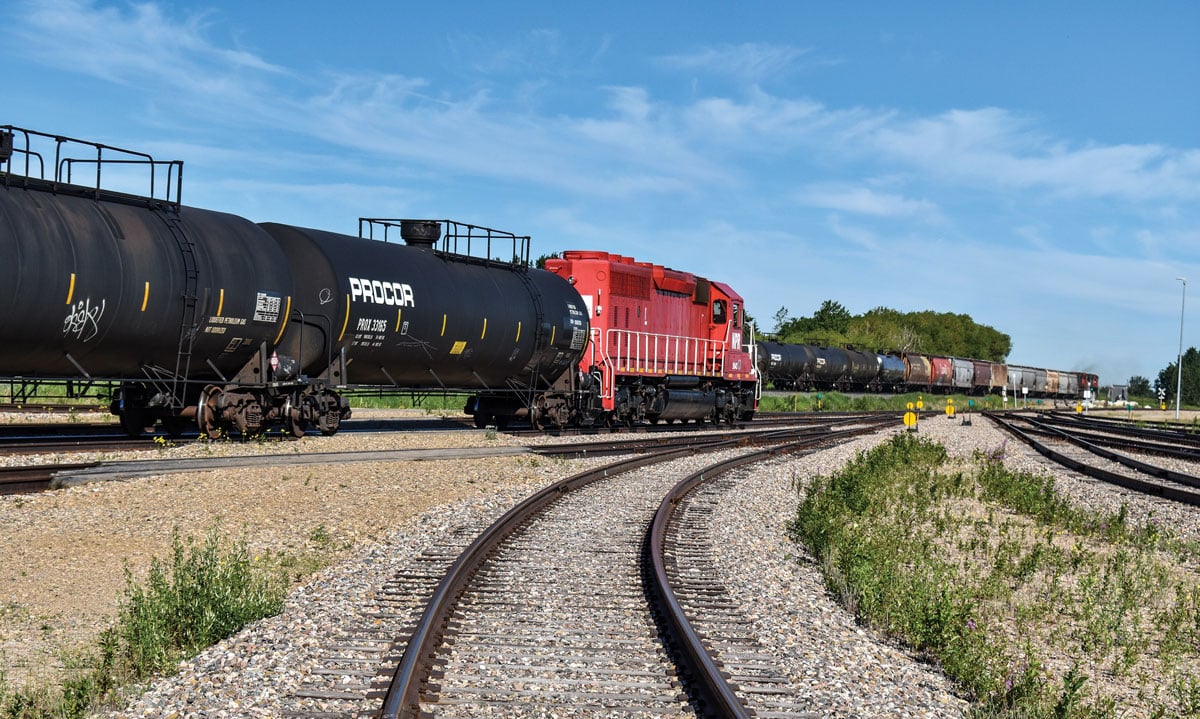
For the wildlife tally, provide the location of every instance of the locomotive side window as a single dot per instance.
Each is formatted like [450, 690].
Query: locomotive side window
[718, 315]
[737, 316]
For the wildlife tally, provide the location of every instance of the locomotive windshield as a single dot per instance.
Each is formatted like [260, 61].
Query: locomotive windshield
[718, 314]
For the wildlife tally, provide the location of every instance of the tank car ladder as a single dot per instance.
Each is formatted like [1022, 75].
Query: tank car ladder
[189, 320]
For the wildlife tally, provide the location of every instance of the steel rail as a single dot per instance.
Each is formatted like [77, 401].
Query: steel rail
[1138, 485]
[1145, 467]
[402, 698]
[403, 695]
[34, 478]
[649, 444]
[1102, 439]
[717, 698]
[1181, 434]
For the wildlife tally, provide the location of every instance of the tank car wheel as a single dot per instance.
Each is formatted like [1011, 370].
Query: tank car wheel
[294, 423]
[207, 414]
[133, 422]
[175, 426]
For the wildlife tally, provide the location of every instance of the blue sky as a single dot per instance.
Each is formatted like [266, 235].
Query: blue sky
[1034, 165]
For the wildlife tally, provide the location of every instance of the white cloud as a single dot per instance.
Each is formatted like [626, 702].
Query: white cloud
[131, 45]
[750, 62]
[865, 201]
[998, 149]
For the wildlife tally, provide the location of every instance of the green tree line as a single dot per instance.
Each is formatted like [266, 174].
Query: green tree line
[885, 329]
[1139, 386]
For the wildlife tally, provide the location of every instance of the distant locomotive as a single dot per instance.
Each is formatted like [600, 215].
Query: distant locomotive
[209, 319]
[811, 367]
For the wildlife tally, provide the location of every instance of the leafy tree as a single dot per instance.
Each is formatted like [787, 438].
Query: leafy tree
[1139, 386]
[832, 317]
[886, 329]
[781, 318]
[540, 263]
[1191, 377]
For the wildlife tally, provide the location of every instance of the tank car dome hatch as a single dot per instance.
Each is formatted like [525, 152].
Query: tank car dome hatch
[420, 233]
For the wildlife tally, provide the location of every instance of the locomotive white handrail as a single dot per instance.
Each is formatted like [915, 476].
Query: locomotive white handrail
[601, 359]
[650, 353]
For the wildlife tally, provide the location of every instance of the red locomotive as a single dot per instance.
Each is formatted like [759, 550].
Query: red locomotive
[664, 345]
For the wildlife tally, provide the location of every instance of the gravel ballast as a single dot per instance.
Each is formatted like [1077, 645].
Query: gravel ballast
[61, 585]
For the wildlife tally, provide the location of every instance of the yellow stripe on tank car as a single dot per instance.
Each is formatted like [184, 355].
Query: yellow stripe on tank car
[287, 314]
[146, 296]
[71, 289]
[553, 331]
[221, 302]
[518, 340]
[398, 311]
[443, 325]
[484, 333]
[345, 322]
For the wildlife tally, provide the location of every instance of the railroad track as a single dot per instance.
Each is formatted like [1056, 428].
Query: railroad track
[42, 477]
[1087, 457]
[1176, 436]
[34, 478]
[548, 608]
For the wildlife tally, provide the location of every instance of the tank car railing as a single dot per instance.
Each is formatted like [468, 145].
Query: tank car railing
[459, 238]
[648, 353]
[64, 166]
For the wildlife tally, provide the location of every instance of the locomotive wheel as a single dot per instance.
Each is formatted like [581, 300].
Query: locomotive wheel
[207, 414]
[482, 420]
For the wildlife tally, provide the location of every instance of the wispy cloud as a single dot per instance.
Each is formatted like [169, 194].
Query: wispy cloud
[127, 45]
[866, 201]
[995, 148]
[749, 62]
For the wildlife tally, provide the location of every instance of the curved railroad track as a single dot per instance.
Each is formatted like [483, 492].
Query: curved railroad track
[1086, 455]
[548, 606]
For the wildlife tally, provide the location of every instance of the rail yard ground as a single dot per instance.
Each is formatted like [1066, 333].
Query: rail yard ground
[63, 568]
[62, 575]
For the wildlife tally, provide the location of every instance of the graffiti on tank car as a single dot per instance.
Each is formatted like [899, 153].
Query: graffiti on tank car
[83, 320]
[394, 294]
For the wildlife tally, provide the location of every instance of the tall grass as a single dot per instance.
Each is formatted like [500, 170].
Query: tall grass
[1018, 595]
[431, 403]
[201, 594]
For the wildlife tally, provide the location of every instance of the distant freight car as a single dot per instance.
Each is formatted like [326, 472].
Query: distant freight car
[812, 367]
